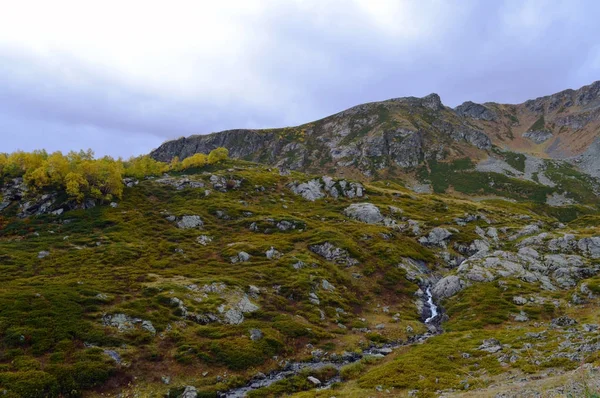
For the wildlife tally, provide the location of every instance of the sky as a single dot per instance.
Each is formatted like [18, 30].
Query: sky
[121, 77]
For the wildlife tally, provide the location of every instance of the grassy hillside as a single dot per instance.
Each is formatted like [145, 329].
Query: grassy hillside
[68, 278]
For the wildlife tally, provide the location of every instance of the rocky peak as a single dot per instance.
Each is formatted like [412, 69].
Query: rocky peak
[433, 102]
[588, 94]
[475, 111]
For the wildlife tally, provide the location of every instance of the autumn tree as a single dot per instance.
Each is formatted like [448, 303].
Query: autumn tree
[217, 155]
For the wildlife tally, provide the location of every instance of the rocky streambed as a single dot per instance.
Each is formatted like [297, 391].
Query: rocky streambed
[430, 313]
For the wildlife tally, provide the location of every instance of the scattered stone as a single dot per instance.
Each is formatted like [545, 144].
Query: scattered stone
[491, 345]
[365, 212]
[43, 254]
[241, 257]
[189, 392]
[204, 240]
[124, 322]
[113, 355]
[437, 237]
[518, 300]
[313, 298]
[273, 254]
[327, 286]
[314, 380]
[256, 334]
[187, 222]
[521, 317]
[562, 321]
[333, 253]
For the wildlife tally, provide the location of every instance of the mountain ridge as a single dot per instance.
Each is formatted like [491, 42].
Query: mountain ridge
[403, 133]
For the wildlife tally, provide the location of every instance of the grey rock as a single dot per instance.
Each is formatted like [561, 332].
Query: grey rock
[188, 222]
[241, 257]
[327, 286]
[273, 254]
[314, 380]
[124, 322]
[538, 136]
[313, 298]
[256, 334]
[448, 287]
[527, 230]
[365, 212]
[518, 300]
[437, 237]
[590, 246]
[590, 327]
[204, 240]
[491, 345]
[43, 254]
[521, 317]
[311, 190]
[113, 355]
[333, 253]
[562, 321]
[475, 111]
[189, 392]
[564, 244]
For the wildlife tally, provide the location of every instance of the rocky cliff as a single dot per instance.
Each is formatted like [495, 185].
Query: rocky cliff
[399, 132]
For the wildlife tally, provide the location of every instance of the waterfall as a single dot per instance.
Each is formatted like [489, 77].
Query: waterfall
[432, 306]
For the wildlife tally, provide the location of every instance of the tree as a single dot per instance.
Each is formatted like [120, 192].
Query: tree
[74, 185]
[197, 160]
[216, 155]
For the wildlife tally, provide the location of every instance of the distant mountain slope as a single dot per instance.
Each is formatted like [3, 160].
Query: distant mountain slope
[401, 134]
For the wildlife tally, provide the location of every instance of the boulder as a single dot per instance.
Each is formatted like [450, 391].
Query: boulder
[188, 222]
[310, 190]
[241, 257]
[437, 237]
[333, 253]
[490, 345]
[314, 380]
[189, 392]
[273, 254]
[590, 246]
[448, 286]
[327, 286]
[204, 240]
[256, 334]
[365, 212]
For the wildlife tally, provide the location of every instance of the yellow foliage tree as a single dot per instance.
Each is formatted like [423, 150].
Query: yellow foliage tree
[216, 155]
[197, 160]
[75, 186]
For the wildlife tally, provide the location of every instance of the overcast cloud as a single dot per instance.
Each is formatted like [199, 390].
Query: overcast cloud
[123, 76]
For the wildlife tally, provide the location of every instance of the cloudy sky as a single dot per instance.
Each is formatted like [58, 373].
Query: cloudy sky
[121, 77]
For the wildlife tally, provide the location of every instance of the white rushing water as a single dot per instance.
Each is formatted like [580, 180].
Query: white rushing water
[432, 306]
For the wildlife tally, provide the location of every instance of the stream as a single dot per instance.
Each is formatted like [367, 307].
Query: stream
[431, 305]
[294, 368]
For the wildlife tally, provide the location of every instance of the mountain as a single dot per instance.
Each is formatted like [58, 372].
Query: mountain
[403, 132]
[399, 248]
[547, 141]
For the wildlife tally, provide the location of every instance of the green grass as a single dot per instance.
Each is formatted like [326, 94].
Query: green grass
[538, 125]
[128, 260]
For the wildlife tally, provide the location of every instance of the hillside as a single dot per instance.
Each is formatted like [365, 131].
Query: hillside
[237, 278]
[549, 141]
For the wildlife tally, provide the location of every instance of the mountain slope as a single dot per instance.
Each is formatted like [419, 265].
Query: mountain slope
[227, 276]
[403, 133]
